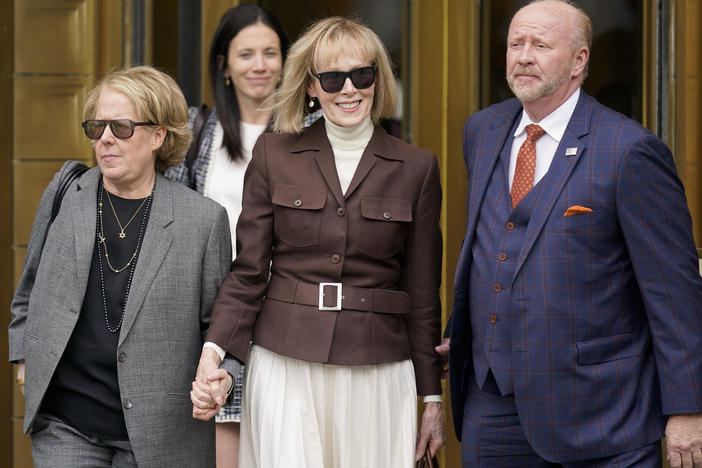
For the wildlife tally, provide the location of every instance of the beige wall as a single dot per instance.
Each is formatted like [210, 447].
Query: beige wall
[687, 113]
[6, 375]
[444, 92]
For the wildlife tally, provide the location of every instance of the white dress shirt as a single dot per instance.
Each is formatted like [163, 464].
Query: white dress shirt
[554, 124]
[224, 181]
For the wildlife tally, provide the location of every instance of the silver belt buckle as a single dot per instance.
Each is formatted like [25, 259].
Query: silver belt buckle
[338, 296]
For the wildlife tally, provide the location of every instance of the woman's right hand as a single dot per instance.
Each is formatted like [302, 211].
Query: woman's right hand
[20, 376]
[432, 430]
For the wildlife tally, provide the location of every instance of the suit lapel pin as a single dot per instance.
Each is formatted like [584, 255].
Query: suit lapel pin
[571, 151]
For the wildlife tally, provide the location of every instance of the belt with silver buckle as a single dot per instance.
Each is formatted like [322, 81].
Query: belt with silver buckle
[338, 296]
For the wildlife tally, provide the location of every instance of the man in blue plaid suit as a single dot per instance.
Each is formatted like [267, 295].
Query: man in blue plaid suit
[576, 333]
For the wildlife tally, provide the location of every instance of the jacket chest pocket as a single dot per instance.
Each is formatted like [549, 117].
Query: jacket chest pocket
[384, 226]
[298, 214]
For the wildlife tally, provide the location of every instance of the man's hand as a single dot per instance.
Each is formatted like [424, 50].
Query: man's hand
[211, 386]
[443, 350]
[432, 430]
[683, 437]
[20, 375]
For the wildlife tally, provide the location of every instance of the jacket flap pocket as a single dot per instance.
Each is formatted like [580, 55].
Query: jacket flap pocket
[299, 197]
[607, 349]
[386, 209]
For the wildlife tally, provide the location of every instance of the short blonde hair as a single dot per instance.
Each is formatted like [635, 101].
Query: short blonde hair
[323, 40]
[158, 99]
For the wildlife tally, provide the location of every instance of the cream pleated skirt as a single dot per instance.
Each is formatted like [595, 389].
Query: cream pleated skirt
[299, 414]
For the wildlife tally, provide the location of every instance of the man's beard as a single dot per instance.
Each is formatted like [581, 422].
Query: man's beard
[541, 89]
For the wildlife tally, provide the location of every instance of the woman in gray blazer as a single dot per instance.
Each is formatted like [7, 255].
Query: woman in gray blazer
[116, 292]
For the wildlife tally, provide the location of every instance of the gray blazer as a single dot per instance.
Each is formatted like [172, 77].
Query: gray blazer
[185, 255]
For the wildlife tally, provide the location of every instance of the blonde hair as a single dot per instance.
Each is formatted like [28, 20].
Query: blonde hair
[323, 40]
[158, 99]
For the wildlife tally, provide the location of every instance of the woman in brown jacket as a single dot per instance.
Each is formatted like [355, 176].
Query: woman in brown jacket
[345, 220]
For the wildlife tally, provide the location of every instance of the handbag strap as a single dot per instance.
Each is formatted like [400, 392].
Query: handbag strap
[67, 178]
[191, 155]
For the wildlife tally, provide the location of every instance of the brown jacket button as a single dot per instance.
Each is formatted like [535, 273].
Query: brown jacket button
[122, 356]
[497, 287]
[502, 257]
[387, 215]
[297, 203]
[335, 258]
[510, 225]
[127, 403]
[493, 319]
[340, 211]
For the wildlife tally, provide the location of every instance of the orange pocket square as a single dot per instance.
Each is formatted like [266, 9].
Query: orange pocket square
[577, 209]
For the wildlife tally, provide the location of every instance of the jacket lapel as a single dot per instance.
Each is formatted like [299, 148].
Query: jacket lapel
[83, 211]
[486, 156]
[558, 174]
[376, 147]
[325, 162]
[315, 139]
[157, 241]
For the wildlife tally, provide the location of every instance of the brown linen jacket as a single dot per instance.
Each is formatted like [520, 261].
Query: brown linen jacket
[382, 235]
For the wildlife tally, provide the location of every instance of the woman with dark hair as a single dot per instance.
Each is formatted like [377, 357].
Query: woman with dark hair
[246, 59]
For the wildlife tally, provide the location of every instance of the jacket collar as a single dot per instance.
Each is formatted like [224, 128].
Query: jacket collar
[314, 138]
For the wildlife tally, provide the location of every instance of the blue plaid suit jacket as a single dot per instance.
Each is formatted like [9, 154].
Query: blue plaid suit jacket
[609, 340]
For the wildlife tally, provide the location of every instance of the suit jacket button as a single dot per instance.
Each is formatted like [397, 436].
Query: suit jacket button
[122, 356]
[340, 211]
[127, 403]
[510, 225]
[493, 319]
[335, 258]
[387, 215]
[497, 287]
[502, 257]
[297, 202]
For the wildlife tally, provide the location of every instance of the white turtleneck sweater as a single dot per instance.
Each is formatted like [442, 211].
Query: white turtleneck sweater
[348, 144]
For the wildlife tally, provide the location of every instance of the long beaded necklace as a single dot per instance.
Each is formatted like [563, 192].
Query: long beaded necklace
[101, 230]
[131, 262]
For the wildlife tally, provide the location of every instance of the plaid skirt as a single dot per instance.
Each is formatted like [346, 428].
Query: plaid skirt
[232, 412]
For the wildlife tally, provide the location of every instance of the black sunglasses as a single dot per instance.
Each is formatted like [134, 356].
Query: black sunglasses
[361, 78]
[120, 128]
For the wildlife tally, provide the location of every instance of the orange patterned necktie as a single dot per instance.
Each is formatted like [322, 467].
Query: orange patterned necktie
[526, 163]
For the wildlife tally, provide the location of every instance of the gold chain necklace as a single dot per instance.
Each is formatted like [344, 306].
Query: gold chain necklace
[101, 231]
[122, 234]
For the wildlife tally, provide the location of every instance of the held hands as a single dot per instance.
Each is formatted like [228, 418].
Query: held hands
[683, 437]
[432, 430]
[211, 386]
